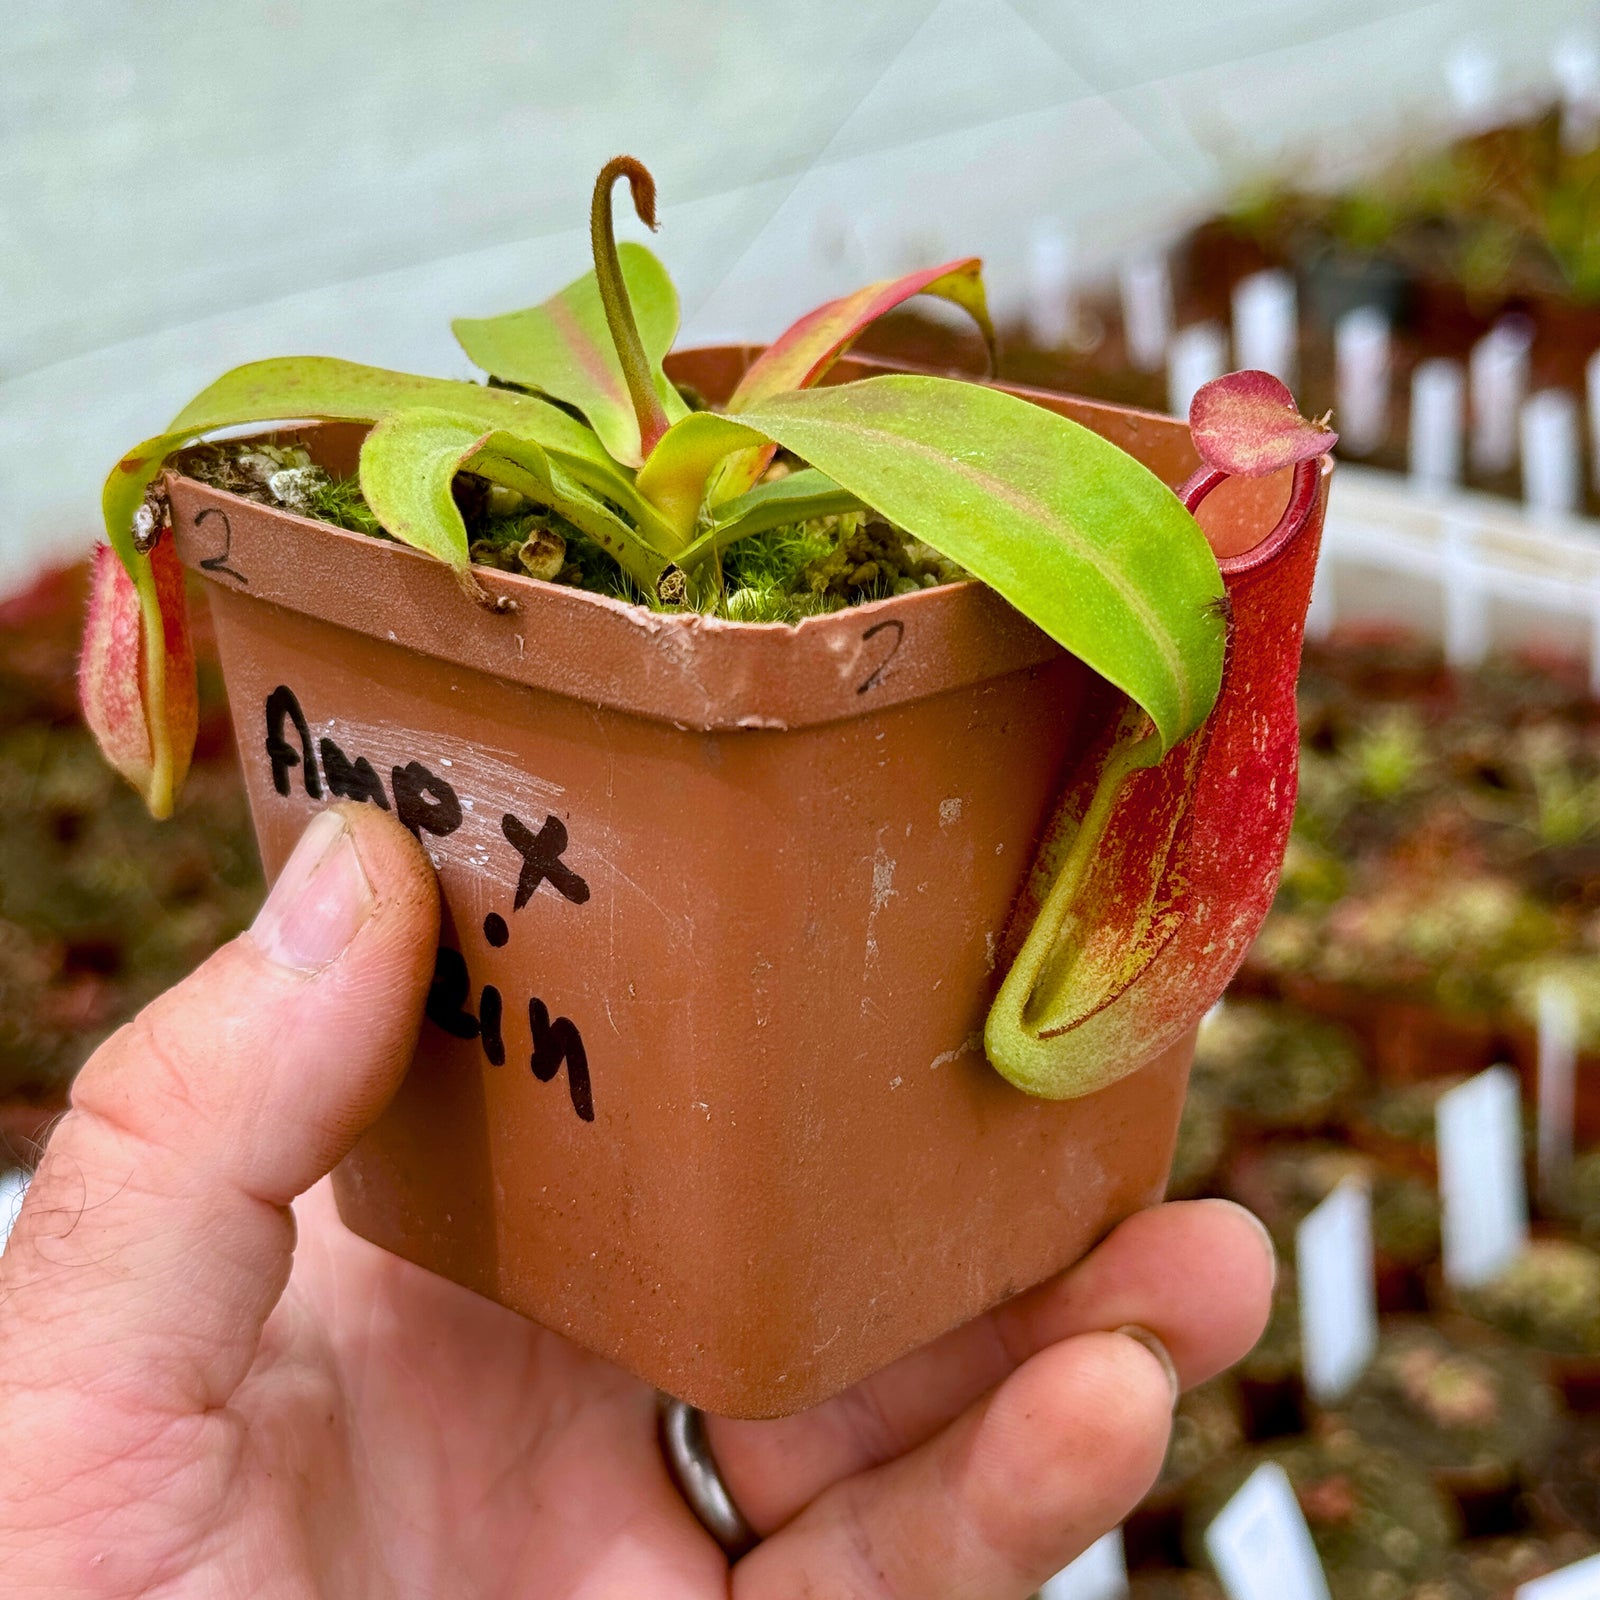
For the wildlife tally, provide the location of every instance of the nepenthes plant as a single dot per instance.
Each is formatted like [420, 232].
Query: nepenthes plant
[579, 416]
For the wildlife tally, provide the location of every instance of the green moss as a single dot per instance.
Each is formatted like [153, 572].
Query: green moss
[781, 575]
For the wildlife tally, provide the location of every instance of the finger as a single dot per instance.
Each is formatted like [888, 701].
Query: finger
[1197, 1274]
[156, 1236]
[1000, 1500]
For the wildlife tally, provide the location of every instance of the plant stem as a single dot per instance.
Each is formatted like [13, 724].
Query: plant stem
[636, 372]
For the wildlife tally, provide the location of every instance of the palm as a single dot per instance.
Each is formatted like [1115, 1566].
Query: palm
[453, 1447]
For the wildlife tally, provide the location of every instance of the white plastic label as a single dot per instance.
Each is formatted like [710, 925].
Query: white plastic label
[1499, 373]
[1436, 422]
[1266, 331]
[1481, 1186]
[1552, 462]
[1578, 1582]
[1558, 1063]
[1361, 359]
[1196, 355]
[1100, 1573]
[1146, 285]
[1338, 1298]
[13, 1191]
[1260, 1545]
[1052, 284]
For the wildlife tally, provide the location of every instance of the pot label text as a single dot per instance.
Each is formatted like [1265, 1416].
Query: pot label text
[428, 803]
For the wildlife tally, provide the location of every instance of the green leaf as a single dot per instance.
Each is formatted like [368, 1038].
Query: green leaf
[297, 387]
[802, 354]
[674, 479]
[1074, 532]
[799, 497]
[564, 349]
[523, 466]
[408, 462]
[410, 459]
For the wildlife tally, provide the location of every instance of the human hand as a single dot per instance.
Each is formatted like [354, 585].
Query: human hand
[194, 1402]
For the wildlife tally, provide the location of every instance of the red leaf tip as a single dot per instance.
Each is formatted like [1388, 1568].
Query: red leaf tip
[1247, 425]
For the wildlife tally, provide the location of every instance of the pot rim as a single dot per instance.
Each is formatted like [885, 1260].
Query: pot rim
[703, 673]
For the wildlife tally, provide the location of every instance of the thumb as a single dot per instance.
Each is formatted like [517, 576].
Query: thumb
[156, 1237]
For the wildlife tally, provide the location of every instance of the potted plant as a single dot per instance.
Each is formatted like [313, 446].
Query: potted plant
[1278, 1069]
[1379, 1524]
[1473, 1411]
[758, 1052]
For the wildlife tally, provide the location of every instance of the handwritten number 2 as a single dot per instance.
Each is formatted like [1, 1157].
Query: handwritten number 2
[894, 626]
[219, 562]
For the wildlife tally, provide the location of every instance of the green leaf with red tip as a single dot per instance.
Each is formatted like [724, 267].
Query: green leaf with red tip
[1247, 425]
[563, 348]
[801, 356]
[1074, 532]
[136, 679]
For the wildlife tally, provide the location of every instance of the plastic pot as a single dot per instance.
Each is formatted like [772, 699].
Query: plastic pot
[701, 1085]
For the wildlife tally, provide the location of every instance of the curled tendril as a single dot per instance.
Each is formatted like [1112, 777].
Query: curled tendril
[620, 320]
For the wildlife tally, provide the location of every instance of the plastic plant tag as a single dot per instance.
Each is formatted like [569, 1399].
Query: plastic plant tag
[1260, 1544]
[1100, 1573]
[1266, 323]
[1498, 369]
[1552, 459]
[1481, 1185]
[1581, 1581]
[13, 1191]
[1363, 362]
[1338, 1299]
[1436, 408]
[1196, 356]
[1145, 283]
[1558, 1061]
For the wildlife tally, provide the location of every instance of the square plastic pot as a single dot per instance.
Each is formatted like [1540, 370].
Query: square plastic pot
[701, 1085]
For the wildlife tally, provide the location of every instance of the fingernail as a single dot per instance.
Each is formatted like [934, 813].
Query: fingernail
[320, 900]
[1132, 1330]
[1255, 1222]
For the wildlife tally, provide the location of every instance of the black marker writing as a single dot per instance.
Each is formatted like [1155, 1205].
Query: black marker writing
[219, 562]
[413, 787]
[353, 780]
[541, 860]
[494, 1046]
[557, 1042]
[281, 703]
[448, 993]
[897, 629]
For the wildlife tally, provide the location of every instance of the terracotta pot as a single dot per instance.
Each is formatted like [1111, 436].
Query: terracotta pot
[735, 894]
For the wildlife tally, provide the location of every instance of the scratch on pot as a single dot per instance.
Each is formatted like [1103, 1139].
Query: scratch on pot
[680, 923]
[817, 1349]
[883, 891]
[973, 1041]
